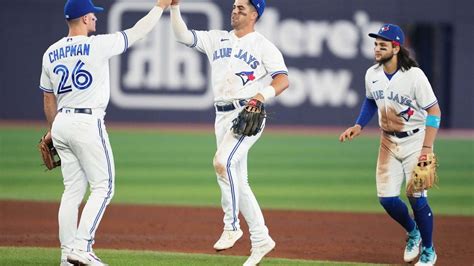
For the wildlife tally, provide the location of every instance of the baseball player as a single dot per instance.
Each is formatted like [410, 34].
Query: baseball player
[75, 82]
[240, 59]
[409, 116]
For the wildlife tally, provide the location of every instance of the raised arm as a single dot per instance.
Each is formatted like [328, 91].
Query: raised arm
[147, 23]
[180, 30]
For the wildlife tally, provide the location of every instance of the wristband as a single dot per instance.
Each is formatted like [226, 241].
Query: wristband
[268, 92]
[433, 121]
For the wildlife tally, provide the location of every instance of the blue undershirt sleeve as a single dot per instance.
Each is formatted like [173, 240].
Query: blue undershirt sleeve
[367, 111]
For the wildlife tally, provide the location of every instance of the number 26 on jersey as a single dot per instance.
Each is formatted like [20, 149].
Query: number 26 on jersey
[81, 78]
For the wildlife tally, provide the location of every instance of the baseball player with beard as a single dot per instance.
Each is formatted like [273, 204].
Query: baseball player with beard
[240, 59]
[409, 116]
[75, 82]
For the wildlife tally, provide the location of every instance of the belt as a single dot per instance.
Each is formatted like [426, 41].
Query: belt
[76, 110]
[401, 134]
[230, 106]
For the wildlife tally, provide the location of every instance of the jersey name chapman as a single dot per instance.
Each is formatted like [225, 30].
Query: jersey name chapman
[69, 51]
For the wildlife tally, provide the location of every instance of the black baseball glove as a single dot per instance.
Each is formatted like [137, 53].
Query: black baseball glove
[250, 119]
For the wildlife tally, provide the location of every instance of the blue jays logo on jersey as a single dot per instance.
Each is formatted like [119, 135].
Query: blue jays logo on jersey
[407, 114]
[246, 76]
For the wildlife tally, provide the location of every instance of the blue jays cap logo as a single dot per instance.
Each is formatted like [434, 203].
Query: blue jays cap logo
[246, 76]
[384, 28]
[390, 32]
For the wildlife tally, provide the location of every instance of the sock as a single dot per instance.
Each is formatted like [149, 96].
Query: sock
[398, 211]
[424, 219]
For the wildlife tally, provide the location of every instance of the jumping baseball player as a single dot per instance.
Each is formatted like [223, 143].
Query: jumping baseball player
[75, 82]
[240, 59]
[409, 117]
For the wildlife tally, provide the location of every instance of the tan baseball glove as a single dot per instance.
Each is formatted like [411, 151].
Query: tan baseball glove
[48, 152]
[424, 175]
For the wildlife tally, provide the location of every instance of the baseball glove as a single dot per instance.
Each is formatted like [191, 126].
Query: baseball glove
[48, 152]
[424, 175]
[250, 119]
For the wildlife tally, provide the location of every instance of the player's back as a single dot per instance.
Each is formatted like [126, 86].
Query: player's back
[76, 69]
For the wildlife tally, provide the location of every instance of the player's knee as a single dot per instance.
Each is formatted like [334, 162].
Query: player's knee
[418, 203]
[219, 166]
[103, 189]
[111, 192]
[388, 202]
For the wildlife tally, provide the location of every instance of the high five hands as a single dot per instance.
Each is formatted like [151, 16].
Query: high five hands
[163, 3]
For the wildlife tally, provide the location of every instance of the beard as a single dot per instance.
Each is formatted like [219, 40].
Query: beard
[384, 60]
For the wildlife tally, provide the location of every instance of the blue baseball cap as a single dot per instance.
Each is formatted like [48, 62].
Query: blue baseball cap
[390, 32]
[78, 8]
[259, 5]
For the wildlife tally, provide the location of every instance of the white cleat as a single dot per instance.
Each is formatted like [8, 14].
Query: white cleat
[257, 253]
[412, 248]
[427, 258]
[64, 253]
[228, 239]
[65, 263]
[84, 258]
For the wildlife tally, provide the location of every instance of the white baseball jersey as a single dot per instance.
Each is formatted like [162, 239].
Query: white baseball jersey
[402, 100]
[238, 67]
[76, 69]
[238, 64]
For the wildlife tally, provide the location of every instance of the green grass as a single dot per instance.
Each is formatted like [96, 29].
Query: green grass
[286, 171]
[50, 256]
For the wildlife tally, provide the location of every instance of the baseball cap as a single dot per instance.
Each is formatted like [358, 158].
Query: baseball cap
[390, 32]
[259, 5]
[78, 8]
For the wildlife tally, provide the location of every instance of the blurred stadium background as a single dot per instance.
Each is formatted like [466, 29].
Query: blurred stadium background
[324, 42]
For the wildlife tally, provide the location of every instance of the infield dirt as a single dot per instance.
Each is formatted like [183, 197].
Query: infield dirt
[354, 237]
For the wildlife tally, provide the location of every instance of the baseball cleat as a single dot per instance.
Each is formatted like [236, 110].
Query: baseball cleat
[428, 257]
[412, 248]
[228, 239]
[64, 253]
[64, 262]
[84, 258]
[257, 253]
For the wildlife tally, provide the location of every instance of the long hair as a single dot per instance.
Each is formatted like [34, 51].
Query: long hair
[405, 62]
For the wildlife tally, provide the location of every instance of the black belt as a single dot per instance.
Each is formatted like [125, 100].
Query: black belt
[401, 134]
[76, 110]
[229, 107]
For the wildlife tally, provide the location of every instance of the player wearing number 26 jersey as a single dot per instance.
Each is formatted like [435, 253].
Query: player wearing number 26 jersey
[75, 82]
[76, 69]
